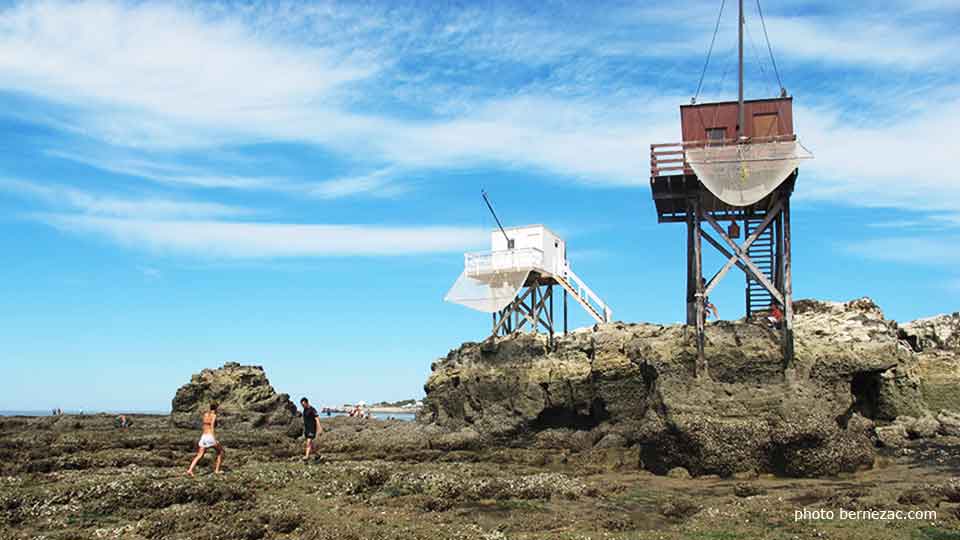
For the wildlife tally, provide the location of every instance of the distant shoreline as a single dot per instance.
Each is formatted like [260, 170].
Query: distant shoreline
[394, 410]
[85, 413]
[74, 412]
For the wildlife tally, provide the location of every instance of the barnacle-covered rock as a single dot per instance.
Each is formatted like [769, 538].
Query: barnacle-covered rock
[637, 381]
[243, 393]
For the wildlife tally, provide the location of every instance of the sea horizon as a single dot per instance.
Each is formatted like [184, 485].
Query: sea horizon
[406, 416]
[49, 412]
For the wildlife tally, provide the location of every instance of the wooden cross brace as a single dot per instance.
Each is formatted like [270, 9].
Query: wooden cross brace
[530, 312]
[739, 256]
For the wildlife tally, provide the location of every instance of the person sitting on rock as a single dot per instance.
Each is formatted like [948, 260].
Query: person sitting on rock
[208, 440]
[775, 319]
[311, 426]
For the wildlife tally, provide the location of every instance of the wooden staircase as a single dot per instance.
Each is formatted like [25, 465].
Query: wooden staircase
[593, 305]
[763, 253]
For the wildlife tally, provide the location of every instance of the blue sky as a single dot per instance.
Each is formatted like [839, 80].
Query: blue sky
[293, 185]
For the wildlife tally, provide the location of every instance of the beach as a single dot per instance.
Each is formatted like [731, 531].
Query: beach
[80, 477]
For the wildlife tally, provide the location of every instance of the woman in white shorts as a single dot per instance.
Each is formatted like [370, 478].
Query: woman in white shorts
[208, 440]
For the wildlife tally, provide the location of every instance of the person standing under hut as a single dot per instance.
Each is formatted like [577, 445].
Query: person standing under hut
[708, 306]
[208, 440]
[311, 426]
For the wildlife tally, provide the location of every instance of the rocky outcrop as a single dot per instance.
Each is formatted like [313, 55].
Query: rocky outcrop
[633, 386]
[949, 423]
[941, 332]
[936, 342]
[833, 336]
[243, 393]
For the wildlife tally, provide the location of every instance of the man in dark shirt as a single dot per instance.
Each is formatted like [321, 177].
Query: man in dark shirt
[311, 425]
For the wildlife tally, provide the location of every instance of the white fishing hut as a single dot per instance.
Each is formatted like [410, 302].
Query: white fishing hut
[515, 280]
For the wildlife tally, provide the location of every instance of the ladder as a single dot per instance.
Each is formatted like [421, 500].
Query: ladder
[762, 253]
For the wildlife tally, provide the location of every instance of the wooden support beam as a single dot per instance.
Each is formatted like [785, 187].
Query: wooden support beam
[535, 311]
[691, 278]
[733, 259]
[723, 251]
[787, 290]
[778, 253]
[550, 312]
[701, 363]
[754, 271]
[526, 310]
[512, 310]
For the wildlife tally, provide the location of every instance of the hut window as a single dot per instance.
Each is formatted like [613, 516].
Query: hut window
[716, 134]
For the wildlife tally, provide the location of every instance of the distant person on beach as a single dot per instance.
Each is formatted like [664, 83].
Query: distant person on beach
[311, 426]
[208, 440]
[122, 421]
[358, 410]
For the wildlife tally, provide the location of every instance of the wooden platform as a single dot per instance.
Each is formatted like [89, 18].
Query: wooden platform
[672, 195]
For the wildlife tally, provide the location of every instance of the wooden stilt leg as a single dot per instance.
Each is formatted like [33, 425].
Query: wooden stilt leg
[787, 290]
[701, 368]
[536, 308]
[550, 312]
[691, 283]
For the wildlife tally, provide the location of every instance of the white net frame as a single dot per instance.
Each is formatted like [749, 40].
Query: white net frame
[488, 292]
[743, 174]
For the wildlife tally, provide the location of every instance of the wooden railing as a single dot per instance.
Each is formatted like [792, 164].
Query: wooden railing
[667, 159]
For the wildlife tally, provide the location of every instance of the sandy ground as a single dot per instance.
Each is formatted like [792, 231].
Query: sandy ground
[82, 478]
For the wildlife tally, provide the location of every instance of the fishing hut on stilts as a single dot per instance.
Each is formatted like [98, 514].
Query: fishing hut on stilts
[732, 175]
[515, 281]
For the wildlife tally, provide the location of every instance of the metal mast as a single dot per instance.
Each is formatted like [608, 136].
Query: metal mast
[740, 68]
[490, 207]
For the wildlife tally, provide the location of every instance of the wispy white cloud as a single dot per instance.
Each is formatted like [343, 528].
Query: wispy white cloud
[920, 250]
[167, 77]
[239, 240]
[110, 205]
[178, 61]
[882, 162]
[162, 77]
[924, 222]
[899, 224]
[378, 184]
[169, 173]
[863, 40]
